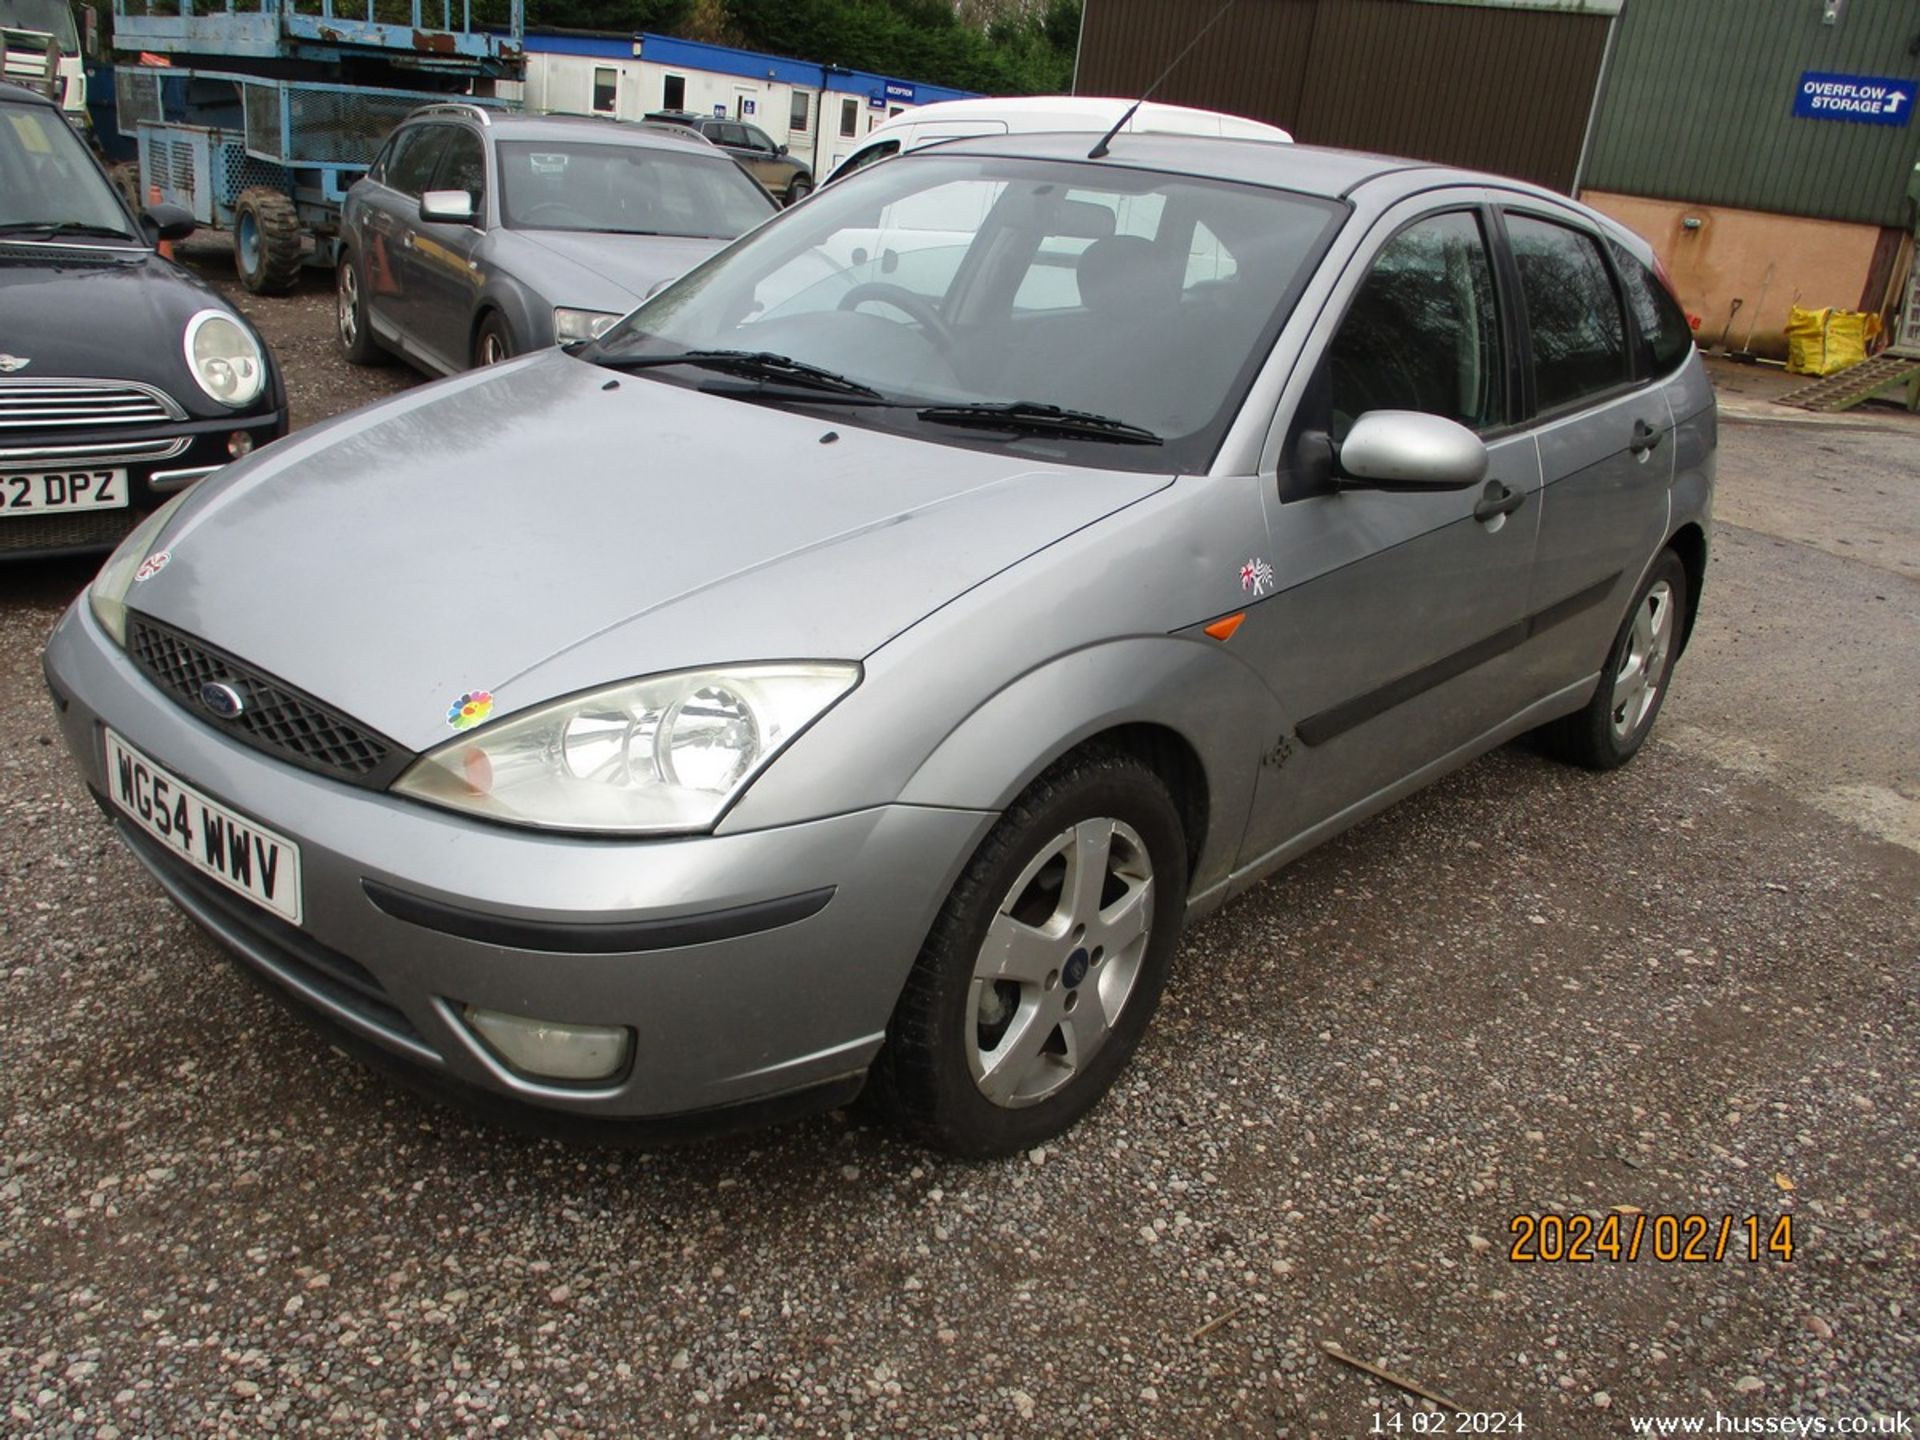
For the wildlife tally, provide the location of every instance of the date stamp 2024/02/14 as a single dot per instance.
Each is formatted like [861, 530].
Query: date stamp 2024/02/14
[1630, 1235]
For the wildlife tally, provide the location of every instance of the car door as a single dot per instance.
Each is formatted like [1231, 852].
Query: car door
[409, 174]
[1605, 437]
[378, 215]
[445, 273]
[1388, 621]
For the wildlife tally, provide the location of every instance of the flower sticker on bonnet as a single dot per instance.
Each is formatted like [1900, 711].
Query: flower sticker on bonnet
[470, 709]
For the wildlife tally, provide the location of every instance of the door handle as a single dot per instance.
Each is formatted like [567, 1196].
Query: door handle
[1645, 437]
[1497, 500]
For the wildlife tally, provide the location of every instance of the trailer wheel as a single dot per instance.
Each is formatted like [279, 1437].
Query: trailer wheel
[266, 241]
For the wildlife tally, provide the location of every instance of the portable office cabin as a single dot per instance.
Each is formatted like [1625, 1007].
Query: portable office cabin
[819, 112]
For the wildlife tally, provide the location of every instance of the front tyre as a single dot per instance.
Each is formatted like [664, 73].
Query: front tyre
[1616, 722]
[493, 342]
[1044, 966]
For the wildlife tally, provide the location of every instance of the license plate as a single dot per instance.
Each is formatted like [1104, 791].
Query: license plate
[247, 858]
[44, 491]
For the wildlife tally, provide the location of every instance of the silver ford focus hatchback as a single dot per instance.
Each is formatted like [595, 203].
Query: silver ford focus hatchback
[855, 667]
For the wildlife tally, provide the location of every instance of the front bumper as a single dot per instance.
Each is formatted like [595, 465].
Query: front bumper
[763, 964]
[159, 460]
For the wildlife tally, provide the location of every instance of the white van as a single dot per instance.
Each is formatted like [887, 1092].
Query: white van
[1024, 114]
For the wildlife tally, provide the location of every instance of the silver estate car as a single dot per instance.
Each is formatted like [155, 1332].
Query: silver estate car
[477, 236]
[857, 666]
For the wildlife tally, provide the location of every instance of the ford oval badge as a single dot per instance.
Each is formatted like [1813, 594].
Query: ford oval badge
[222, 700]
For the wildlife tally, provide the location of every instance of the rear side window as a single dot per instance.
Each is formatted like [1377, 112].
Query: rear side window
[416, 155]
[1573, 315]
[1666, 338]
[1423, 332]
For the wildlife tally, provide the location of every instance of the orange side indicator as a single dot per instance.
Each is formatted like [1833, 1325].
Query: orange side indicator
[1223, 628]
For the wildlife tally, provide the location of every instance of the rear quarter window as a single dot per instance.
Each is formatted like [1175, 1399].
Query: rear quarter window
[1666, 339]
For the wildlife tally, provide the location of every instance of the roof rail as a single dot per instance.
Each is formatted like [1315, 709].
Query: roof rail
[453, 107]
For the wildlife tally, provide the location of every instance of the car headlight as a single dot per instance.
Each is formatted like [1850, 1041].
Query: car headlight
[572, 326]
[225, 359]
[651, 756]
[108, 593]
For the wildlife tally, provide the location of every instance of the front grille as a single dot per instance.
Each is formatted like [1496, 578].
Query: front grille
[66, 530]
[90, 453]
[57, 404]
[274, 716]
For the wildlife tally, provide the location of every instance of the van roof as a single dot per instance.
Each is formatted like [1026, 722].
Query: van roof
[1086, 112]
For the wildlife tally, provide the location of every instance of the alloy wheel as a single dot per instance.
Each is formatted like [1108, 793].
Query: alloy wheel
[1060, 961]
[349, 294]
[1643, 665]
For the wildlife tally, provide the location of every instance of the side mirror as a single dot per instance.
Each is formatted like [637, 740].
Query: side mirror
[167, 222]
[447, 207]
[779, 149]
[1410, 450]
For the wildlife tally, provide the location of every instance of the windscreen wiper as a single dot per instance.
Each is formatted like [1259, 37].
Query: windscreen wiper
[1040, 419]
[757, 364]
[62, 227]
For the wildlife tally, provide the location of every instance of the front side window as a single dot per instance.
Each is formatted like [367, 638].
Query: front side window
[625, 190]
[949, 281]
[1578, 334]
[463, 166]
[47, 179]
[756, 139]
[606, 89]
[415, 158]
[1423, 331]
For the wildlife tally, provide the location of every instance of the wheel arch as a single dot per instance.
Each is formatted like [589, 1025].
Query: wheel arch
[1198, 718]
[1689, 542]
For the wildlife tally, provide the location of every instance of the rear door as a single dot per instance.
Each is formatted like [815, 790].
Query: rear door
[1394, 620]
[1605, 433]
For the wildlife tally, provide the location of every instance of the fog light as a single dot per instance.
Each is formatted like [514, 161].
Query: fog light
[548, 1050]
[239, 443]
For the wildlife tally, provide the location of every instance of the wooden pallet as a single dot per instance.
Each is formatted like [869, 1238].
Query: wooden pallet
[1888, 370]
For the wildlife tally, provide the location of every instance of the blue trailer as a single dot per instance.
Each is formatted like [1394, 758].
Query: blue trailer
[259, 114]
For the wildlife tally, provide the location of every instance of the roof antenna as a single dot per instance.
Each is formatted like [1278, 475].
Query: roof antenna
[1099, 151]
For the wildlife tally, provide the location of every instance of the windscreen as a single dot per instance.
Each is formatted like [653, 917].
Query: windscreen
[47, 179]
[49, 17]
[626, 190]
[1143, 297]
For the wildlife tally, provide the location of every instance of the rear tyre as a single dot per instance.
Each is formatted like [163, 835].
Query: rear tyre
[1045, 964]
[1613, 726]
[350, 292]
[493, 341]
[266, 241]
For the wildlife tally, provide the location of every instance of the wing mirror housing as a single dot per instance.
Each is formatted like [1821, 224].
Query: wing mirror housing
[447, 207]
[1410, 450]
[167, 222]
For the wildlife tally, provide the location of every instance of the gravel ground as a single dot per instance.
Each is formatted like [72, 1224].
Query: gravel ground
[1687, 987]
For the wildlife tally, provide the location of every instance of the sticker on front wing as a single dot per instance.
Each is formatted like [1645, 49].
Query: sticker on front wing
[1256, 575]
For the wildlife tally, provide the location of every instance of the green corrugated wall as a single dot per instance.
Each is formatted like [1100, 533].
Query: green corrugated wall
[1698, 106]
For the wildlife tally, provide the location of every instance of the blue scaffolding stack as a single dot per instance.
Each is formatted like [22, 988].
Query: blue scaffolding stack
[258, 115]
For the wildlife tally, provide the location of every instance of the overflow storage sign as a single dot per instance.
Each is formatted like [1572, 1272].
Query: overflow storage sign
[1863, 99]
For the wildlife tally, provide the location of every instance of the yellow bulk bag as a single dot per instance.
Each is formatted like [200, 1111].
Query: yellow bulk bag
[1823, 342]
